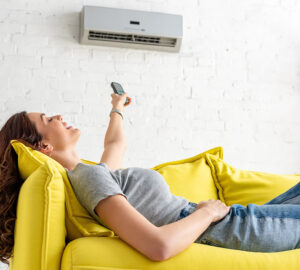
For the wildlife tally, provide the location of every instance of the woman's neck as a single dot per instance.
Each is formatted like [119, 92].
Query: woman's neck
[67, 158]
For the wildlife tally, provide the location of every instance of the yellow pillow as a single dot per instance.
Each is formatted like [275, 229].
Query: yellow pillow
[191, 177]
[79, 223]
[39, 245]
[243, 187]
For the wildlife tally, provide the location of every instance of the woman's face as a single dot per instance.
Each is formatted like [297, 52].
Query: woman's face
[55, 132]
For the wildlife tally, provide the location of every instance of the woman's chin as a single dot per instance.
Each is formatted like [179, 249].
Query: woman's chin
[77, 130]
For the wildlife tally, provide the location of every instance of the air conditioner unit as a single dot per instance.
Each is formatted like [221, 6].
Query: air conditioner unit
[130, 28]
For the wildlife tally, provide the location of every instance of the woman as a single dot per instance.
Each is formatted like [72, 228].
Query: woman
[136, 203]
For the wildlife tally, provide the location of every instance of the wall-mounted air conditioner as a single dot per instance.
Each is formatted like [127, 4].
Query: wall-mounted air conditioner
[130, 28]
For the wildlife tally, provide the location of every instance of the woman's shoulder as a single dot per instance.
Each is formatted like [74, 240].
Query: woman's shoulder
[82, 168]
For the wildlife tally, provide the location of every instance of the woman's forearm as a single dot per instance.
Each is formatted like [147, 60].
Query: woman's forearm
[115, 132]
[182, 233]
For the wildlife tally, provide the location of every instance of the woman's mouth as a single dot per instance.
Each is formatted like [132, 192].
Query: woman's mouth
[65, 125]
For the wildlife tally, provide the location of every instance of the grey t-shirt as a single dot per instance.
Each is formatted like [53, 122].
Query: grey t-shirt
[145, 189]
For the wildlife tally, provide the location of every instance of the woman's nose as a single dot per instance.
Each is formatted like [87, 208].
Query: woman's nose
[59, 117]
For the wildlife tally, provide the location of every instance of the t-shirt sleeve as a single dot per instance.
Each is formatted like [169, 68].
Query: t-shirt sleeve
[92, 184]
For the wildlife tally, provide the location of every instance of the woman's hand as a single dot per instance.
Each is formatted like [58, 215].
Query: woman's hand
[215, 207]
[118, 101]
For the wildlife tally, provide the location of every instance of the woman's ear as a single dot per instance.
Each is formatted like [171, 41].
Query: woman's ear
[46, 148]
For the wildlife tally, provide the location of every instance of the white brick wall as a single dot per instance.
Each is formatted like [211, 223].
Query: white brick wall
[235, 83]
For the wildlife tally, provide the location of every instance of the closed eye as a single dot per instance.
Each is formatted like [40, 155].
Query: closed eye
[49, 120]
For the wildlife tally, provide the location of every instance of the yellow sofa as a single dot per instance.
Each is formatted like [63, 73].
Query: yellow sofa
[53, 231]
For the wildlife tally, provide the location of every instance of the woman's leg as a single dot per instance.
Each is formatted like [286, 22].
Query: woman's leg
[291, 196]
[257, 228]
[272, 227]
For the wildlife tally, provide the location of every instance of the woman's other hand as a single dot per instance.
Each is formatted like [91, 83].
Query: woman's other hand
[118, 101]
[215, 207]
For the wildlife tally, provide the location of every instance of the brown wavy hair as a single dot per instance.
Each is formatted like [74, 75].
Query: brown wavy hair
[20, 128]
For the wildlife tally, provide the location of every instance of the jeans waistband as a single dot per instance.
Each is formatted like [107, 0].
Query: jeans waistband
[189, 209]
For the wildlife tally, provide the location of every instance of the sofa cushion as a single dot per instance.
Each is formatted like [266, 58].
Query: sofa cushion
[191, 177]
[39, 238]
[237, 186]
[79, 223]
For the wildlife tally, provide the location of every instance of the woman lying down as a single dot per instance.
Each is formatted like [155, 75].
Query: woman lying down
[136, 203]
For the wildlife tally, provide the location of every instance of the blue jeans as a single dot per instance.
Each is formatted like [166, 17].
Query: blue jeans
[271, 227]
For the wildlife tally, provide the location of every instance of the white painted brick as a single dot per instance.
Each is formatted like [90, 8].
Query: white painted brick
[66, 39]
[119, 55]
[170, 59]
[48, 30]
[204, 91]
[97, 105]
[4, 13]
[153, 58]
[127, 67]
[45, 72]
[15, 104]
[6, 47]
[23, 61]
[101, 55]
[70, 107]
[28, 45]
[80, 75]
[61, 18]
[64, 53]
[154, 74]
[71, 96]
[135, 57]
[267, 68]
[59, 63]
[194, 75]
[11, 28]
[45, 51]
[95, 88]
[80, 53]
[24, 17]
[71, 84]
[96, 66]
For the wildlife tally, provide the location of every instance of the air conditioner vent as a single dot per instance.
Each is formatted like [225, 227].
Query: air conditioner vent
[137, 39]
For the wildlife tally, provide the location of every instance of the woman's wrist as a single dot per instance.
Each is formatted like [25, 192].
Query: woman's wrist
[208, 212]
[116, 111]
[117, 108]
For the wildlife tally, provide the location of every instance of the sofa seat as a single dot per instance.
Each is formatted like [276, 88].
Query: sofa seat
[112, 253]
